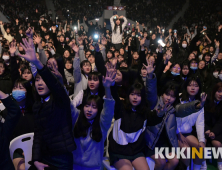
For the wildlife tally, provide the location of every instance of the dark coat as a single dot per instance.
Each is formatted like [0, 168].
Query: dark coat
[53, 122]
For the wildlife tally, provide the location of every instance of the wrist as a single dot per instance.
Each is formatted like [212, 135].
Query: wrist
[38, 64]
[12, 54]
[150, 75]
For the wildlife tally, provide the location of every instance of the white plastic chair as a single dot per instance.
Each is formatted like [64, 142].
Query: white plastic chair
[106, 163]
[26, 146]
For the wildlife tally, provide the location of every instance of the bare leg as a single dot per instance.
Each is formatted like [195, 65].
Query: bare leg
[140, 164]
[123, 164]
[159, 163]
[172, 163]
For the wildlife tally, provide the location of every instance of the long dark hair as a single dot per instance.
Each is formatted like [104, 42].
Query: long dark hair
[99, 76]
[116, 26]
[82, 125]
[185, 95]
[29, 95]
[211, 105]
[141, 108]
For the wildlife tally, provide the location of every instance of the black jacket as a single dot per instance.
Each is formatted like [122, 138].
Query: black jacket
[53, 122]
[6, 130]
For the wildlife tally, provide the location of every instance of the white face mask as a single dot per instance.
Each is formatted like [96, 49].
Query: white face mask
[5, 57]
[220, 76]
[215, 74]
[184, 45]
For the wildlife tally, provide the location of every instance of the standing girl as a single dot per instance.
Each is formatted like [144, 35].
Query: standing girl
[117, 30]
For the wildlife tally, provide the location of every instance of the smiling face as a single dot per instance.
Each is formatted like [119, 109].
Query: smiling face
[135, 98]
[40, 86]
[193, 88]
[27, 74]
[90, 110]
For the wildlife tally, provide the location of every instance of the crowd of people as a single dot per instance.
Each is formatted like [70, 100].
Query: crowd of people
[75, 10]
[71, 86]
[153, 13]
[23, 10]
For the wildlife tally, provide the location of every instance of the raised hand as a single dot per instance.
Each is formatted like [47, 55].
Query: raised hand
[53, 28]
[0, 22]
[12, 48]
[217, 43]
[203, 98]
[149, 68]
[29, 32]
[37, 39]
[75, 48]
[29, 51]
[110, 78]
[55, 71]
[39, 165]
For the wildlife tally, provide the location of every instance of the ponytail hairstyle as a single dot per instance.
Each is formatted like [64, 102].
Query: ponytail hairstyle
[83, 125]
